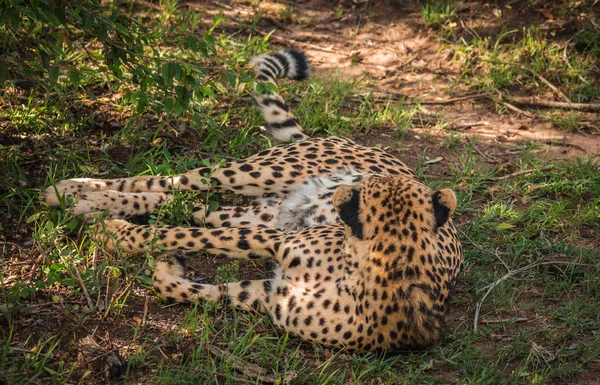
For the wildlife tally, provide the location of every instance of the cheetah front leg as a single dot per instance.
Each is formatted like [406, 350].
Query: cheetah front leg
[278, 170]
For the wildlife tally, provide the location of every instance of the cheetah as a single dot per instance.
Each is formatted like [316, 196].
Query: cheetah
[367, 254]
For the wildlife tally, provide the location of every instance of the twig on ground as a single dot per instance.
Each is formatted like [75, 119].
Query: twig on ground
[489, 158]
[226, 6]
[567, 59]
[533, 101]
[511, 107]
[511, 274]
[553, 88]
[107, 302]
[296, 42]
[493, 286]
[519, 173]
[486, 251]
[376, 97]
[360, 16]
[563, 144]
[84, 288]
[277, 23]
[409, 60]
[590, 125]
[249, 369]
[502, 320]
[465, 125]
[145, 315]
[453, 100]
[94, 258]
[20, 350]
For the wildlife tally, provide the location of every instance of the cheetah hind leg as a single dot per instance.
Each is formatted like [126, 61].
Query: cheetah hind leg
[171, 283]
[261, 212]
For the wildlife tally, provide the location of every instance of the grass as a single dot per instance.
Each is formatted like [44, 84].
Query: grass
[509, 57]
[537, 327]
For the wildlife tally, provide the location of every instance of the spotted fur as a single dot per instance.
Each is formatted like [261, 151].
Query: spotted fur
[367, 253]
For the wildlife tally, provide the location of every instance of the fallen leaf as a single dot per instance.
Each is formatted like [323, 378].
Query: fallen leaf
[504, 226]
[547, 14]
[434, 160]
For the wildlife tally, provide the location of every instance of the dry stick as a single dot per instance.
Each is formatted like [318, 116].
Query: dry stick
[553, 88]
[277, 24]
[509, 275]
[563, 144]
[511, 107]
[385, 98]
[492, 286]
[47, 355]
[462, 233]
[145, 315]
[409, 60]
[85, 291]
[489, 158]
[296, 42]
[532, 101]
[567, 59]
[497, 321]
[465, 125]
[519, 173]
[360, 16]
[458, 99]
[249, 369]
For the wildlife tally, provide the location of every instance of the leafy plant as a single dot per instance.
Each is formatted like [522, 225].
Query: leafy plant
[48, 45]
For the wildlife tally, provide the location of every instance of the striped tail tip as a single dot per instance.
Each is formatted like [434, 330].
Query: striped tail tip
[290, 63]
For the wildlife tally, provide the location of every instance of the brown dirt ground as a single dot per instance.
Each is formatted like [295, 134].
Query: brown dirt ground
[387, 44]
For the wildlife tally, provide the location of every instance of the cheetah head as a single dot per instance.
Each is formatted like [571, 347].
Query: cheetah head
[395, 206]
[401, 231]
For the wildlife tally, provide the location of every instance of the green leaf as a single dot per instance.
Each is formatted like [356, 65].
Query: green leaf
[231, 78]
[51, 18]
[166, 74]
[175, 71]
[191, 42]
[168, 105]
[53, 73]
[207, 91]
[74, 77]
[3, 71]
[180, 92]
[142, 103]
[145, 280]
[213, 206]
[33, 217]
[73, 223]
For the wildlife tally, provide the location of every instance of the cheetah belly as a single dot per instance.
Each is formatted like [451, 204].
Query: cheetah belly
[311, 204]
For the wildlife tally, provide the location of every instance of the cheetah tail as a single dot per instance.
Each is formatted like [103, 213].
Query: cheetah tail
[292, 64]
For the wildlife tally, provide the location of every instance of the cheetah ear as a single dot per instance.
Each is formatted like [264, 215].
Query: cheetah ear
[444, 204]
[346, 201]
